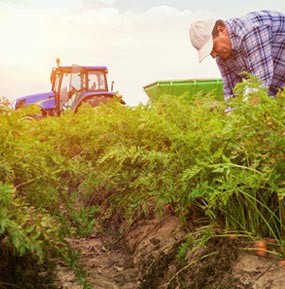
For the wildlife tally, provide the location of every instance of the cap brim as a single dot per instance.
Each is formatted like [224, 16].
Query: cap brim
[206, 49]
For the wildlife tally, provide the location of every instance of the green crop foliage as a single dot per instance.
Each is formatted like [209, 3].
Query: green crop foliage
[59, 176]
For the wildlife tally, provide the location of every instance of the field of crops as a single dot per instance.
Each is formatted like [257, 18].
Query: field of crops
[61, 176]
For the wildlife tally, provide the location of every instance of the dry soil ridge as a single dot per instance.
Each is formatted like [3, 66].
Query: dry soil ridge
[145, 259]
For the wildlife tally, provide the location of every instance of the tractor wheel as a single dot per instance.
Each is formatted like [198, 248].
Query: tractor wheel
[95, 101]
[31, 117]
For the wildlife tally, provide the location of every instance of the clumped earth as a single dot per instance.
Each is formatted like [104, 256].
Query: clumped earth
[146, 257]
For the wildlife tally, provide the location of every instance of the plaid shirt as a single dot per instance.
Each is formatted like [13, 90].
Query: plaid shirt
[258, 47]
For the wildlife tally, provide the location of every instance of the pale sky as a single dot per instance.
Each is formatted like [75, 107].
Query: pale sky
[140, 41]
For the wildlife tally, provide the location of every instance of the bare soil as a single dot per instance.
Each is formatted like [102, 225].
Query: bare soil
[145, 257]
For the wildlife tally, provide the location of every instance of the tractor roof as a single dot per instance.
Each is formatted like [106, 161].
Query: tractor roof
[86, 67]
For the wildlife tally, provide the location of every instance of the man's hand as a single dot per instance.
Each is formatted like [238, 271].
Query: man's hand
[254, 100]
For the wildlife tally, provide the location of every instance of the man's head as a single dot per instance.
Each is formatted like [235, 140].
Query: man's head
[211, 37]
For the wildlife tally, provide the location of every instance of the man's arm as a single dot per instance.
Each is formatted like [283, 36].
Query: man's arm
[229, 75]
[256, 46]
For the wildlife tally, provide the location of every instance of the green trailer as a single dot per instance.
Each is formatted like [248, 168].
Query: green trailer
[178, 87]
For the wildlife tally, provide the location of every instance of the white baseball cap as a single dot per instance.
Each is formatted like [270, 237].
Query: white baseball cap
[201, 37]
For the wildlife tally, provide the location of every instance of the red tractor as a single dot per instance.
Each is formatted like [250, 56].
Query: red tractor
[71, 86]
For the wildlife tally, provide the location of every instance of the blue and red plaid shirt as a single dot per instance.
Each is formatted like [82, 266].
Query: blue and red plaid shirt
[258, 47]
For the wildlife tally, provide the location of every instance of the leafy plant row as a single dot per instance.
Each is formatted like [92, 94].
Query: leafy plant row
[60, 175]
